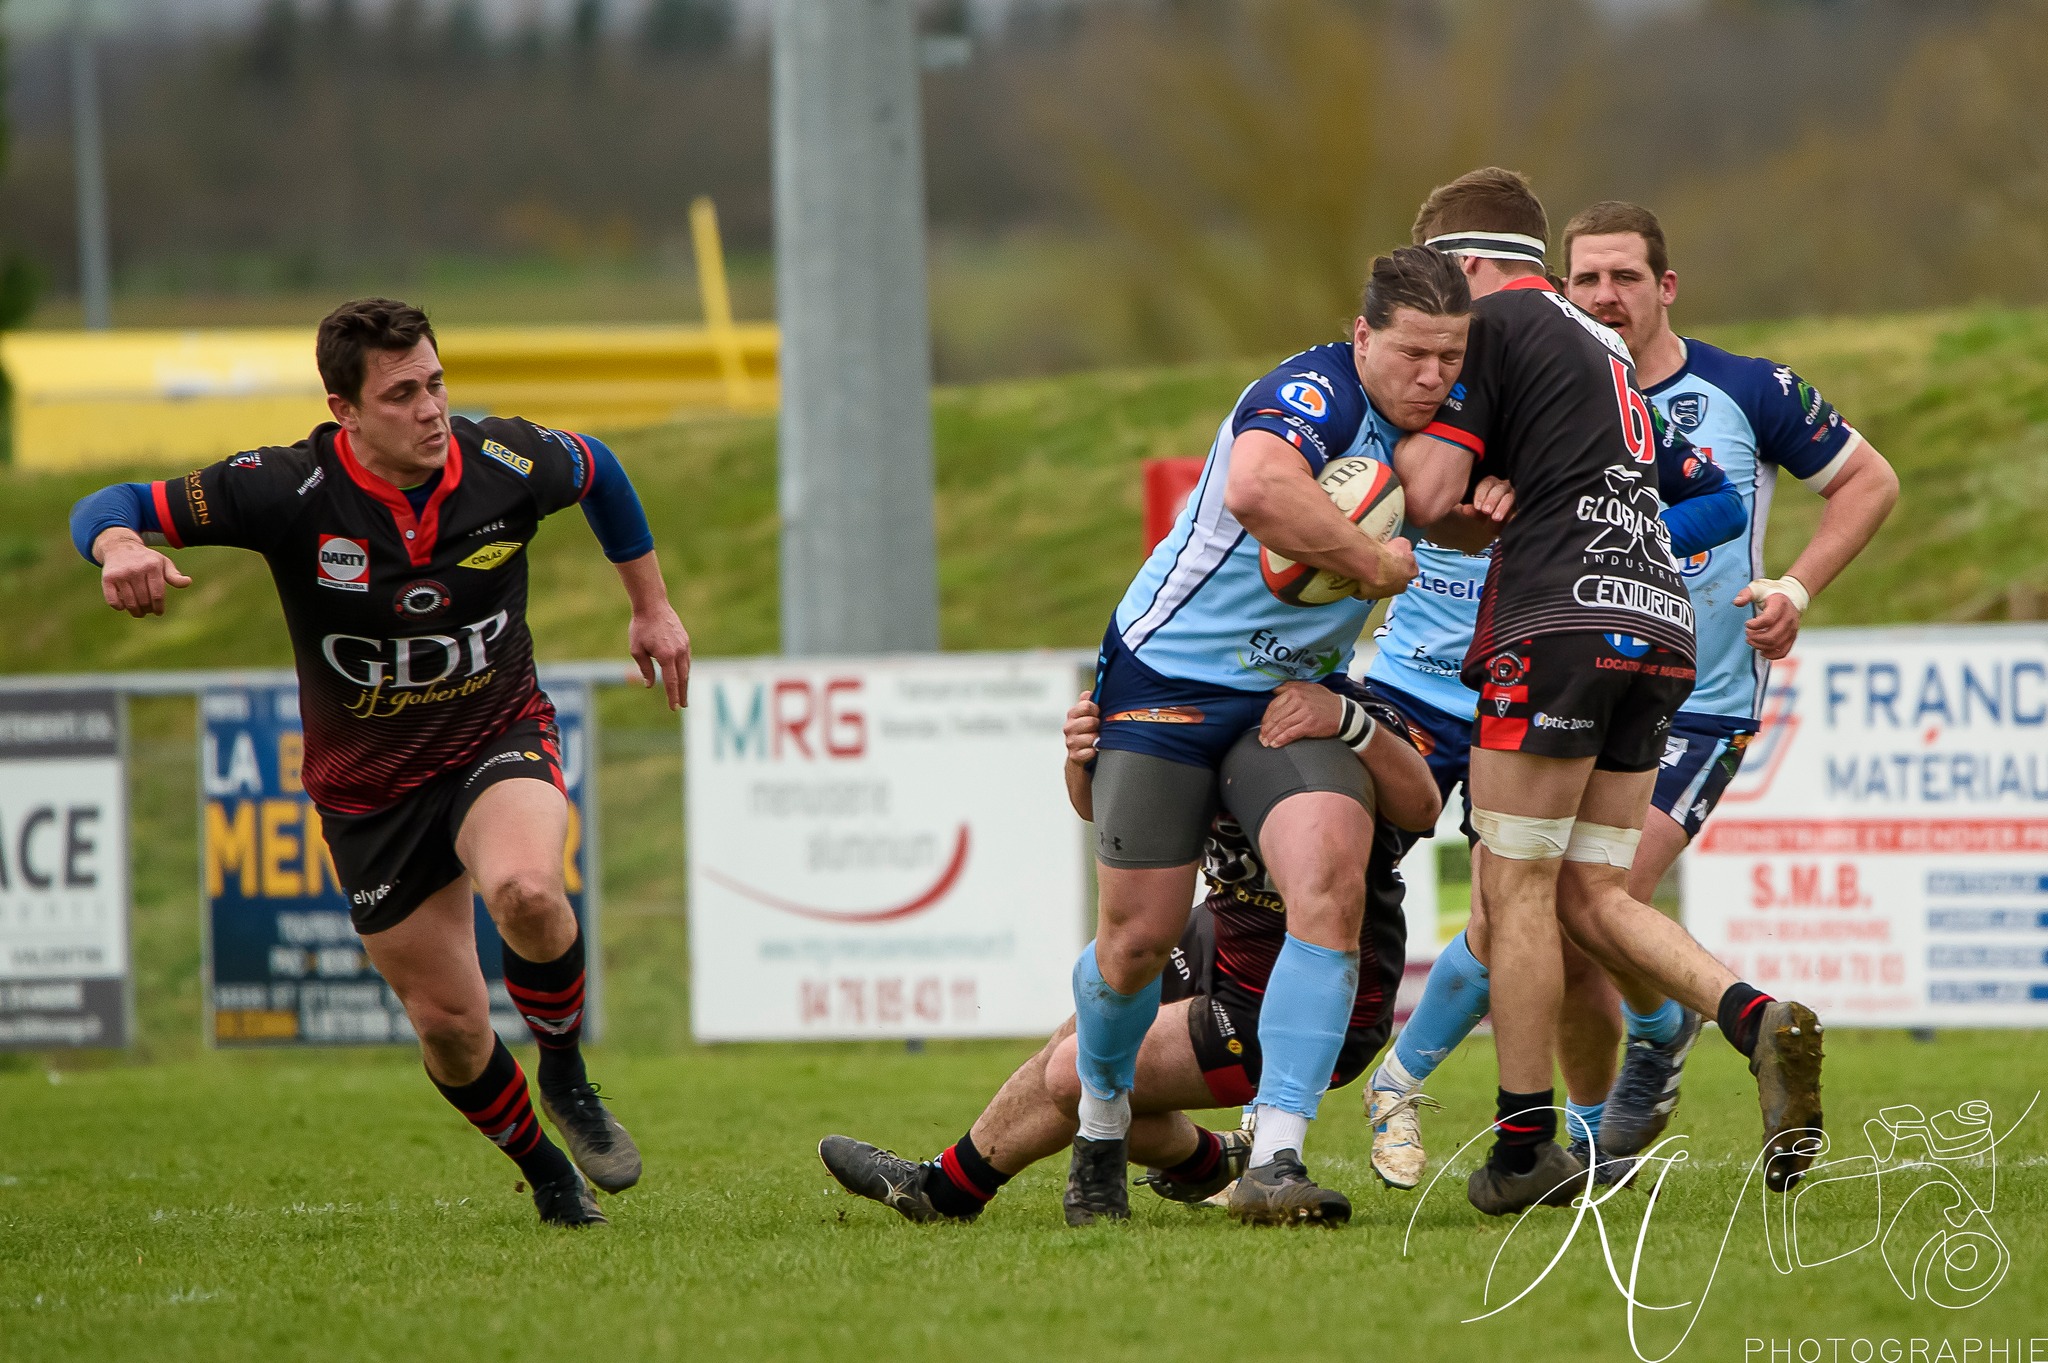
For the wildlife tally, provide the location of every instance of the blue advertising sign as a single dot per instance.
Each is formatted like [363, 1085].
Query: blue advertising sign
[284, 966]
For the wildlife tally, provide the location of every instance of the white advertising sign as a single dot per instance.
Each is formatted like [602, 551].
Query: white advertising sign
[1883, 853]
[881, 848]
[63, 871]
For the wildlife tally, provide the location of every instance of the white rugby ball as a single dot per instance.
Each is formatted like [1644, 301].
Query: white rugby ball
[1370, 496]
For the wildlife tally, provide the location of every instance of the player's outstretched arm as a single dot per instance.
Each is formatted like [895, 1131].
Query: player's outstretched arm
[1859, 496]
[107, 528]
[656, 635]
[1280, 504]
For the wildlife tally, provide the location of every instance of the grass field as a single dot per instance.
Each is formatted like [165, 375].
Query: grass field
[183, 1205]
[330, 1206]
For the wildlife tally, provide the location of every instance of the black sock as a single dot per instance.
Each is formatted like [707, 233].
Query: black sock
[1741, 1015]
[1201, 1164]
[962, 1181]
[549, 995]
[496, 1104]
[1524, 1122]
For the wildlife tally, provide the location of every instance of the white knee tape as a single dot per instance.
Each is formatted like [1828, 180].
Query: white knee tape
[1521, 838]
[1604, 845]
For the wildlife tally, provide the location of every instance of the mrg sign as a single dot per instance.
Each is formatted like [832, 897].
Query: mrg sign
[881, 848]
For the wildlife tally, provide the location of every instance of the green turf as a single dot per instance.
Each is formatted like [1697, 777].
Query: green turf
[269, 1207]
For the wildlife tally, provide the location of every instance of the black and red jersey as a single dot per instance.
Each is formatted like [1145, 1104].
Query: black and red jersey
[408, 626]
[1548, 400]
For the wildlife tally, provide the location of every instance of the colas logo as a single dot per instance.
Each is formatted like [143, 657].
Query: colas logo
[491, 555]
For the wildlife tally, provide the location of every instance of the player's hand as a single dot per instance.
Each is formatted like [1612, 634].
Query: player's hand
[1083, 726]
[1774, 628]
[133, 575]
[1395, 570]
[1301, 710]
[1494, 498]
[657, 636]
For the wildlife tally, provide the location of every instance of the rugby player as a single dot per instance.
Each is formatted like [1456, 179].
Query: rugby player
[1188, 665]
[1582, 654]
[395, 536]
[1751, 417]
[1202, 1049]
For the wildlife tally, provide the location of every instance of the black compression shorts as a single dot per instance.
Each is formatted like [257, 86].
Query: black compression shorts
[1605, 696]
[389, 862]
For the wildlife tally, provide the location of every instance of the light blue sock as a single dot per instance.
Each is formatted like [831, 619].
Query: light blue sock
[1108, 1028]
[1576, 1113]
[1660, 1026]
[1302, 1022]
[1458, 994]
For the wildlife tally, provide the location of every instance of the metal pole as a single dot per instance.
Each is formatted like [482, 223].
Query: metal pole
[859, 567]
[95, 273]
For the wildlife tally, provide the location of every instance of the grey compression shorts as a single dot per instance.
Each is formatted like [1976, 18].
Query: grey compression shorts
[1255, 777]
[1150, 812]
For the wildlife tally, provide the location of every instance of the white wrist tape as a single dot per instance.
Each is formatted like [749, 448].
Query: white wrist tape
[1788, 586]
[1603, 844]
[1519, 837]
[1356, 728]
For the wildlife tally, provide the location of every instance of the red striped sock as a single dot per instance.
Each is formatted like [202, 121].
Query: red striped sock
[1201, 1164]
[1522, 1121]
[963, 1180]
[496, 1104]
[550, 997]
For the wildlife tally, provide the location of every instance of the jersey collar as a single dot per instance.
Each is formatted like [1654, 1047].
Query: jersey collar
[1528, 281]
[419, 533]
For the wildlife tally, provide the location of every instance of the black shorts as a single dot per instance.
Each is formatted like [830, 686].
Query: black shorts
[1223, 1018]
[1605, 696]
[389, 862]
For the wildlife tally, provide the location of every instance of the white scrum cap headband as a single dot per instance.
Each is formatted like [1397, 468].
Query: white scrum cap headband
[1490, 245]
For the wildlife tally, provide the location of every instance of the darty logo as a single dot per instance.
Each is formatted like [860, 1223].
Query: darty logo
[344, 564]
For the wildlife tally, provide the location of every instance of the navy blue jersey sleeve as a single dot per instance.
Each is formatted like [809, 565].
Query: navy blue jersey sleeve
[613, 508]
[1301, 402]
[124, 504]
[1796, 428]
[1702, 508]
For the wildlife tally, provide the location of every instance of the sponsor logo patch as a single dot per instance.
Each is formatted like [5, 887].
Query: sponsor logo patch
[1506, 669]
[1697, 564]
[1158, 714]
[518, 463]
[1306, 398]
[1674, 752]
[1544, 720]
[1638, 598]
[1688, 411]
[491, 555]
[319, 477]
[420, 600]
[343, 564]
[1627, 645]
[247, 459]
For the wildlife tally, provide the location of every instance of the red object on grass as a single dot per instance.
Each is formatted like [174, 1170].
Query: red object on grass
[1167, 485]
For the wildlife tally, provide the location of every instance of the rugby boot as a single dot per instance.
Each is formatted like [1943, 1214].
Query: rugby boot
[1280, 1193]
[1397, 1154]
[1610, 1170]
[568, 1202]
[1237, 1148]
[598, 1144]
[882, 1176]
[1556, 1179]
[1640, 1104]
[1787, 1070]
[1095, 1183]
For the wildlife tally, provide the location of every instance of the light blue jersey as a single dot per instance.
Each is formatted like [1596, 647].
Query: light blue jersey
[1428, 628]
[1200, 610]
[1750, 417]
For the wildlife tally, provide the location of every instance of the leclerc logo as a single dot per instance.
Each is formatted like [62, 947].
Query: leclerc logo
[344, 564]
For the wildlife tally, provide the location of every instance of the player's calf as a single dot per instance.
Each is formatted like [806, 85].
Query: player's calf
[550, 996]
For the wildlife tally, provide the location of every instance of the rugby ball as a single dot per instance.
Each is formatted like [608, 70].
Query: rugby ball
[1370, 496]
